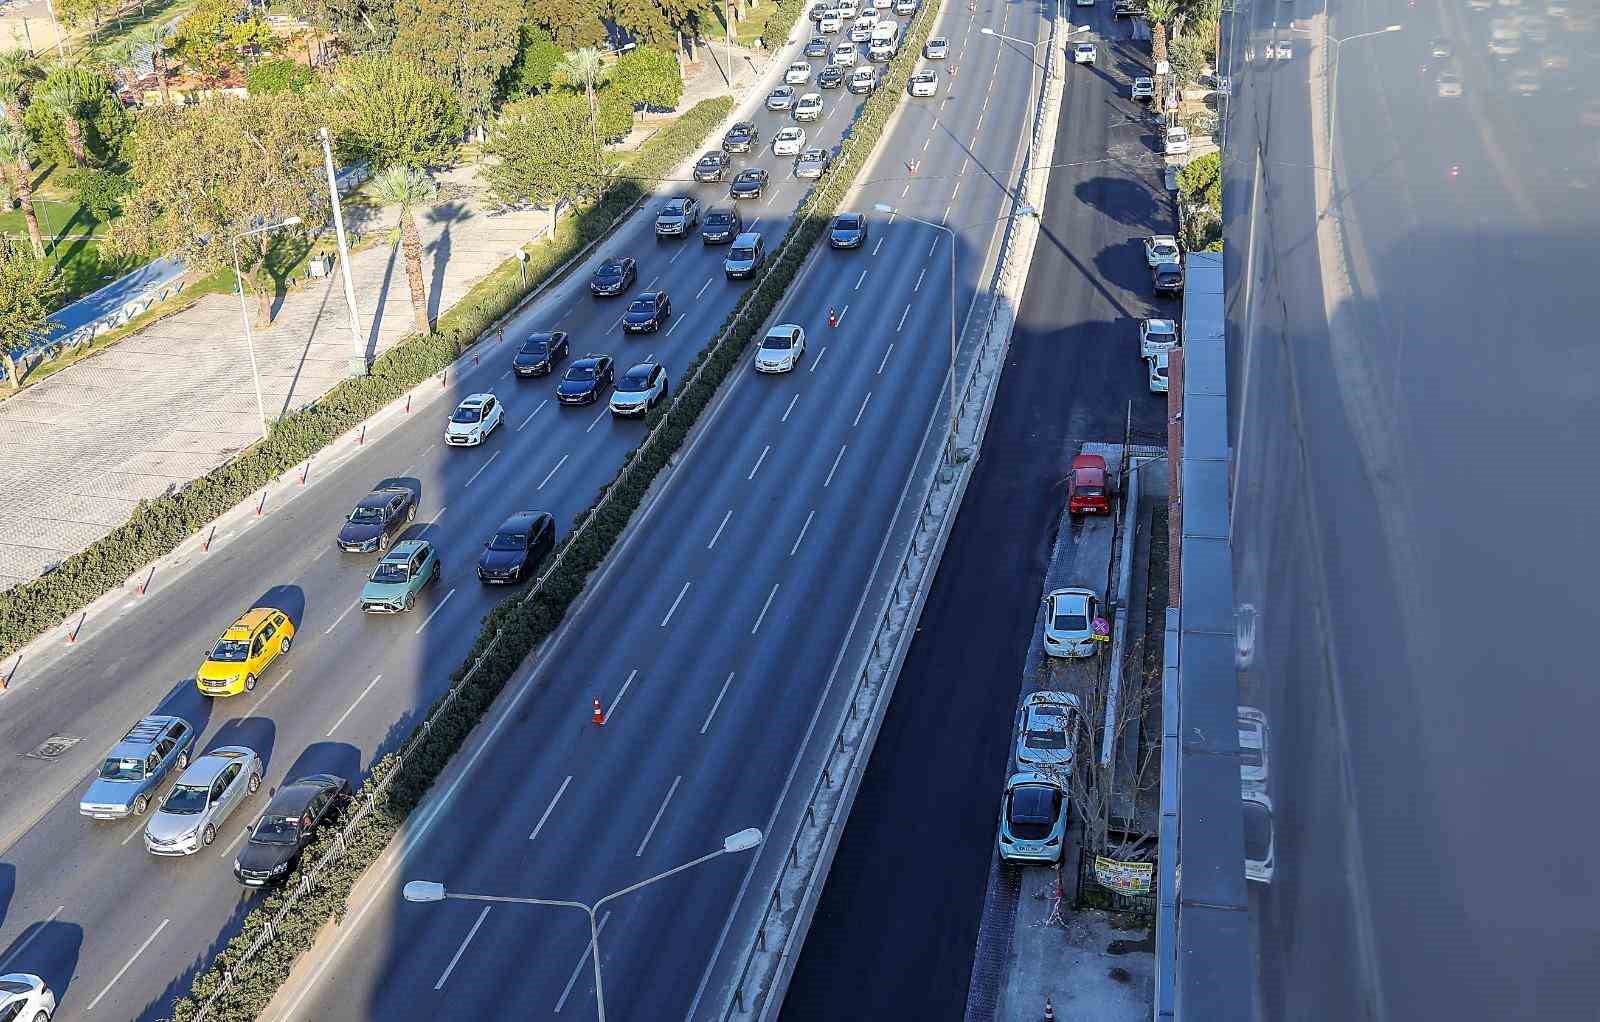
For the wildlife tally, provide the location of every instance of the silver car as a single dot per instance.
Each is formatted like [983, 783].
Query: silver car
[1048, 735]
[202, 800]
[937, 48]
[812, 164]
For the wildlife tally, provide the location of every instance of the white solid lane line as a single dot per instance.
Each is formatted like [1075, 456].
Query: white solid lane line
[336, 620]
[714, 705]
[818, 361]
[703, 287]
[885, 361]
[764, 607]
[597, 418]
[802, 535]
[353, 706]
[718, 534]
[553, 471]
[675, 603]
[659, 812]
[583, 962]
[550, 808]
[448, 969]
[474, 477]
[862, 410]
[920, 274]
[435, 611]
[611, 711]
[789, 409]
[120, 972]
[531, 414]
[902, 324]
[837, 458]
[764, 452]
[16, 952]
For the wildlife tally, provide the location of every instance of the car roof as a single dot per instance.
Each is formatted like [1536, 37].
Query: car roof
[205, 769]
[1088, 461]
[522, 518]
[748, 238]
[144, 734]
[295, 797]
[1072, 597]
[378, 498]
[1161, 326]
[475, 399]
[1047, 697]
[589, 360]
[403, 550]
[250, 620]
[642, 369]
[784, 330]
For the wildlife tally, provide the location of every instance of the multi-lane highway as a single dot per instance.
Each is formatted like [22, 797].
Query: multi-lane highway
[115, 930]
[1412, 413]
[900, 940]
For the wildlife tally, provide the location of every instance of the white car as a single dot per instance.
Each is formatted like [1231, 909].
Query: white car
[862, 80]
[848, 9]
[1083, 53]
[798, 74]
[781, 349]
[830, 23]
[200, 803]
[1157, 335]
[1069, 623]
[844, 55]
[1450, 85]
[936, 48]
[924, 84]
[1161, 248]
[863, 28]
[26, 998]
[1048, 736]
[639, 389]
[1252, 749]
[1285, 49]
[1260, 857]
[905, 6]
[1144, 88]
[882, 5]
[808, 107]
[474, 419]
[1176, 142]
[788, 141]
[1157, 366]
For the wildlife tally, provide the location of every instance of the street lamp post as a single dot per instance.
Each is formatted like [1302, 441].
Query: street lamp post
[1333, 74]
[244, 312]
[884, 207]
[428, 891]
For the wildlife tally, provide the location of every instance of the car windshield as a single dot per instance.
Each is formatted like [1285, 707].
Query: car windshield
[749, 175]
[777, 342]
[710, 160]
[636, 381]
[122, 769]
[186, 800]
[718, 220]
[675, 207]
[742, 253]
[11, 987]
[847, 223]
[367, 516]
[643, 305]
[1250, 756]
[1032, 811]
[390, 571]
[1046, 736]
[231, 651]
[1071, 622]
[277, 830]
[509, 541]
[1091, 491]
[467, 413]
[579, 374]
[1257, 831]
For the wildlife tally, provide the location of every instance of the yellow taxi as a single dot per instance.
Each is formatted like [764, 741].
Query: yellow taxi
[244, 652]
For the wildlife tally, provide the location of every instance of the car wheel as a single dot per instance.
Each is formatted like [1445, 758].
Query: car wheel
[43, 1016]
[287, 642]
[140, 804]
[255, 783]
[208, 835]
[411, 513]
[249, 683]
[411, 600]
[183, 760]
[383, 541]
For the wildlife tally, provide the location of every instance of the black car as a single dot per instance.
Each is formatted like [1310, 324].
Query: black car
[818, 10]
[749, 183]
[1167, 279]
[817, 47]
[586, 380]
[849, 231]
[678, 217]
[519, 546]
[287, 825]
[831, 77]
[712, 166]
[540, 353]
[613, 276]
[648, 312]
[378, 517]
[741, 137]
[721, 226]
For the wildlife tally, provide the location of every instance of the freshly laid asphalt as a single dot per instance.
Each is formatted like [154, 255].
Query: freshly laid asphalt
[894, 932]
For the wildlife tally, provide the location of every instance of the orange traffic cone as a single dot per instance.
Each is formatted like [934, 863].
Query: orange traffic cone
[599, 714]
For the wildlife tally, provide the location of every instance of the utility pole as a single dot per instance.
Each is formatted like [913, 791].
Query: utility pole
[358, 350]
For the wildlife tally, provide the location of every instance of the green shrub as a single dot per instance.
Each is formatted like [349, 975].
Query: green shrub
[280, 75]
[99, 191]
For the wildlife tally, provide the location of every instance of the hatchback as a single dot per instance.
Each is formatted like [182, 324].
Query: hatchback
[1069, 625]
[25, 998]
[746, 256]
[809, 107]
[1086, 486]
[1157, 335]
[475, 418]
[200, 803]
[1033, 819]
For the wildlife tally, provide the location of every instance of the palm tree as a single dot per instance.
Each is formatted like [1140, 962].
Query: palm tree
[66, 96]
[14, 158]
[582, 67]
[1158, 13]
[156, 39]
[19, 73]
[406, 187]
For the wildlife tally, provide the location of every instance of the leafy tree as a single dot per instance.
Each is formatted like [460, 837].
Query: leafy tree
[19, 73]
[279, 75]
[614, 114]
[584, 68]
[29, 289]
[408, 187]
[80, 12]
[464, 44]
[211, 36]
[648, 77]
[1192, 51]
[156, 39]
[364, 26]
[99, 191]
[14, 147]
[71, 96]
[570, 23]
[662, 23]
[389, 111]
[543, 150]
[205, 174]
[1200, 181]
[534, 67]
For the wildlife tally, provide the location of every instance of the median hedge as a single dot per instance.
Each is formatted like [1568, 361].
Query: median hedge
[518, 624]
[157, 526]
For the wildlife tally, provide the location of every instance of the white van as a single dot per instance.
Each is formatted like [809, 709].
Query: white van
[885, 41]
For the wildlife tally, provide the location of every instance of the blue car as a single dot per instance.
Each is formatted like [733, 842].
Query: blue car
[849, 231]
[136, 766]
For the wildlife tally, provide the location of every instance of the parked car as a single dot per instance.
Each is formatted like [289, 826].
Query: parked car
[1260, 857]
[639, 389]
[1157, 365]
[781, 349]
[808, 107]
[849, 230]
[741, 137]
[789, 141]
[1047, 737]
[474, 420]
[936, 48]
[678, 217]
[206, 794]
[1033, 819]
[1157, 335]
[721, 224]
[286, 826]
[1161, 248]
[1175, 142]
[377, 519]
[541, 352]
[400, 576]
[1088, 486]
[862, 80]
[517, 548]
[244, 652]
[1167, 278]
[813, 163]
[923, 84]
[781, 98]
[136, 767]
[1069, 623]
[648, 313]
[798, 73]
[749, 183]
[712, 166]
[1253, 761]
[585, 381]
[1144, 87]
[25, 998]
[746, 256]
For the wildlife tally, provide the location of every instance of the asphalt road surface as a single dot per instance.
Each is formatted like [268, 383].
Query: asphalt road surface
[1413, 409]
[895, 931]
[116, 931]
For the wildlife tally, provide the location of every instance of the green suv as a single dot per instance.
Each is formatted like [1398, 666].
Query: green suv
[398, 578]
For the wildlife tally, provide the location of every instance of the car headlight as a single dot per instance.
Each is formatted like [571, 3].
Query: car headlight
[282, 867]
[236, 865]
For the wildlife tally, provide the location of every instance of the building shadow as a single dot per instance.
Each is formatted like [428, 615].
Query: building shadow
[49, 950]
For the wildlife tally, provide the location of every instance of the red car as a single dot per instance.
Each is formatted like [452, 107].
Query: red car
[1087, 490]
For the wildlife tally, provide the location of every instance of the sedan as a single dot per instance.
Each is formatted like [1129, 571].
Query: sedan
[849, 230]
[1157, 335]
[377, 518]
[1069, 625]
[844, 54]
[585, 381]
[808, 107]
[1083, 53]
[1144, 88]
[1161, 248]
[639, 390]
[741, 137]
[1260, 858]
[813, 163]
[1033, 819]
[721, 225]
[1252, 749]
[615, 275]
[475, 418]
[678, 217]
[1048, 736]
[831, 77]
[712, 166]
[517, 548]
[781, 98]
[798, 73]
[540, 353]
[25, 997]
[648, 313]
[1157, 366]
[287, 825]
[748, 184]
[923, 84]
[400, 576]
[1167, 279]
[789, 141]
[817, 47]
[936, 48]
[1086, 486]
[205, 796]
[781, 349]
[1450, 85]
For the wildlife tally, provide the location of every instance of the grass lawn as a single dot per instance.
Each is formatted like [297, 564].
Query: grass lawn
[105, 41]
[72, 242]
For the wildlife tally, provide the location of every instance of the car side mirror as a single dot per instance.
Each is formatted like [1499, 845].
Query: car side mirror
[271, 792]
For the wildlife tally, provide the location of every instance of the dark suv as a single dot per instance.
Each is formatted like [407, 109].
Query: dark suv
[741, 137]
[518, 547]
